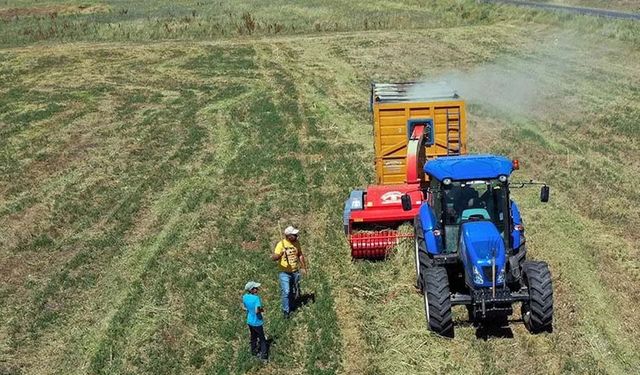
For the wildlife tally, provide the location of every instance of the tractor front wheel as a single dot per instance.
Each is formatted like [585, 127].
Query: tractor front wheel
[537, 313]
[437, 302]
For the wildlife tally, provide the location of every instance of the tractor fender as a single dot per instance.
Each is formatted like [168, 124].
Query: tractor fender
[517, 236]
[429, 224]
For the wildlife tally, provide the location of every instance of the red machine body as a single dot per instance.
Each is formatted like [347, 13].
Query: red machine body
[382, 208]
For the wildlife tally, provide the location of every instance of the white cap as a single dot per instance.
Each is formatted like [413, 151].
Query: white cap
[250, 285]
[290, 230]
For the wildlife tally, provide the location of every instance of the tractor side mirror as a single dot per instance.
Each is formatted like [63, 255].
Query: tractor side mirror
[406, 202]
[544, 194]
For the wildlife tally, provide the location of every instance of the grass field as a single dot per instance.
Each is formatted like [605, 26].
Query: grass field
[149, 153]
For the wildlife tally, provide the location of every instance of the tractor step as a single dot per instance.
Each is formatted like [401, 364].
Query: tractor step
[461, 299]
[446, 259]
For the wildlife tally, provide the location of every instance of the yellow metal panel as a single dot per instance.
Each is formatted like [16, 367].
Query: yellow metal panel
[390, 133]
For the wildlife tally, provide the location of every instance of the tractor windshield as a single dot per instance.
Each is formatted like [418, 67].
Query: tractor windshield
[468, 201]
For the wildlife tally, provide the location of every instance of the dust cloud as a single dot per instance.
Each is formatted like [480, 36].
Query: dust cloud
[518, 85]
[495, 85]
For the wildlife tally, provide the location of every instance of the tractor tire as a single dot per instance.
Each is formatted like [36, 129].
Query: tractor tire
[422, 260]
[437, 302]
[537, 313]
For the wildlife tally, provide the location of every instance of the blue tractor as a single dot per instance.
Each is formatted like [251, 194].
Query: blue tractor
[470, 247]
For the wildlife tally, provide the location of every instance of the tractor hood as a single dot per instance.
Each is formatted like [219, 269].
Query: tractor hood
[480, 244]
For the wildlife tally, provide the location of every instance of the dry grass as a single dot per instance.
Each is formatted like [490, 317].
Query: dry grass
[50, 11]
[142, 185]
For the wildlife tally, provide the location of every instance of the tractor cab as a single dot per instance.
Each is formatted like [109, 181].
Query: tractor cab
[460, 202]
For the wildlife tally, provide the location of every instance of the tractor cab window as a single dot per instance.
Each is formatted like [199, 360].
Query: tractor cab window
[464, 201]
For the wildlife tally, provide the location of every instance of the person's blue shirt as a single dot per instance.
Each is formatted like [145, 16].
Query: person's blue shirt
[251, 303]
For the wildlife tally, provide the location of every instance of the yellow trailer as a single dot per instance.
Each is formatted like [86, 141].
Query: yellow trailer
[397, 107]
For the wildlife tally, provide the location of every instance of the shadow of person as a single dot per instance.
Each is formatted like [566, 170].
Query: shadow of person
[270, 341]
[304, 299]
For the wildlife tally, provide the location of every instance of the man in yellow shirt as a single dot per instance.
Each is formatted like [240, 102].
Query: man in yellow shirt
[290, 260]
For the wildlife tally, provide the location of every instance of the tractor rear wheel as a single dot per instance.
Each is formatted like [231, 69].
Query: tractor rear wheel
[537, 313]
[437, 302]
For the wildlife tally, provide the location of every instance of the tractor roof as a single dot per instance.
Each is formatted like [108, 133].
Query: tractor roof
[468, 167]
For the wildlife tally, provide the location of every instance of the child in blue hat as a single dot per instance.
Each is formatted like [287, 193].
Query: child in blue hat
[252, 304]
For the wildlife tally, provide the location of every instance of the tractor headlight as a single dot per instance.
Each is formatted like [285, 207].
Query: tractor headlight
[446, 181]
[477, 276]
[500, 278]
[502, 178]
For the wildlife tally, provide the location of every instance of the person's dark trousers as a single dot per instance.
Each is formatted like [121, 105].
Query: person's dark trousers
[258, 339]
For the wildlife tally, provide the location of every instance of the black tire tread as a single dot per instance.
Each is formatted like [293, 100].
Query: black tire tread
[425, 262]
[422, 257]
[537, 278]
[437, 291]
